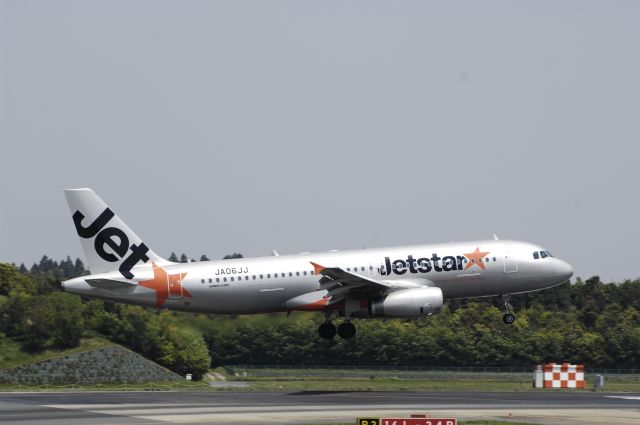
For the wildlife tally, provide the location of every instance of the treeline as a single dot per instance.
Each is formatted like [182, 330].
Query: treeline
[67, 268]
[588, 322]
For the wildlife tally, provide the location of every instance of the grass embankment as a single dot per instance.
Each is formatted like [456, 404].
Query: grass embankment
[11, 354]
[384, 380]
[149, 386]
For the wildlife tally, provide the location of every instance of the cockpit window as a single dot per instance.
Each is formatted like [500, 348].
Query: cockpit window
[541, 254]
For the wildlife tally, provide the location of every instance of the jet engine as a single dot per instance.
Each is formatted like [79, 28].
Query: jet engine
[408, 303]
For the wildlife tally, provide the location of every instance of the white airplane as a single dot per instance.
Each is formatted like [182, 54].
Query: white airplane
[404, 281]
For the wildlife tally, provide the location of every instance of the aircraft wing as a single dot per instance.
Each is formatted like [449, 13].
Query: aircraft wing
[339, 283]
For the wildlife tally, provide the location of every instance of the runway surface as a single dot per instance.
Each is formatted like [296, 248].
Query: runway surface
[222, 407]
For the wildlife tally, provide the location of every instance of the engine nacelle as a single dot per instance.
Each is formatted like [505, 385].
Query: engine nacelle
[408, 303]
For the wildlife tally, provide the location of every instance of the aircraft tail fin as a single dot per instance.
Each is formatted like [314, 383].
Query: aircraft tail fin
[108, 243]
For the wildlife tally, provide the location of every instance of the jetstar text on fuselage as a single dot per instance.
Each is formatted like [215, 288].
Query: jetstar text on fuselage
[427, 264]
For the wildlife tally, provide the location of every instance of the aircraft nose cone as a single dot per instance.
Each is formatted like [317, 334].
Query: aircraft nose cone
[563, 270]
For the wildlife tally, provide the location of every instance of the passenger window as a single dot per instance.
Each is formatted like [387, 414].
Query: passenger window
[297, 273]
[210, 280]
[202, 280]
[246, 278]
[290, 274]
[232, 279]
[224, 279]
[261, 276]
[305, 272]
[254, 277]
[494, 259]
[348, 269]
[536, 256]
[217, 280]
[361, 269]
[268, 275]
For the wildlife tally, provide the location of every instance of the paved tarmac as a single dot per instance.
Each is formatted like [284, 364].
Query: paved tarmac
[226, 407]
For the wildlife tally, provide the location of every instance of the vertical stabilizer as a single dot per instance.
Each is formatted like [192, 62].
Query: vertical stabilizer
[108, 243]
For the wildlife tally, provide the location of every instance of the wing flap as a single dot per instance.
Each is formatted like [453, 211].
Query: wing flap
[341, 284]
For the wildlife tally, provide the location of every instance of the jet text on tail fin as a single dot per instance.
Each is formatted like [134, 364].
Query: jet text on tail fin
[108, 243]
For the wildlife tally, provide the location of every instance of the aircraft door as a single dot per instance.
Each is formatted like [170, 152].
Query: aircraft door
[510, 263]
[174, 283]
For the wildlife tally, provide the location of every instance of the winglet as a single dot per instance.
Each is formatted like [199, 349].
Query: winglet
[495, 237]
[317, 267]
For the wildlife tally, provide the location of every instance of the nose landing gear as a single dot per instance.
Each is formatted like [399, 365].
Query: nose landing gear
[507, 317]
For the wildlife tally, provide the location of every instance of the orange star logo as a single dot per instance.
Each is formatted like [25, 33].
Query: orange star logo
[166, 285]
[476, 257]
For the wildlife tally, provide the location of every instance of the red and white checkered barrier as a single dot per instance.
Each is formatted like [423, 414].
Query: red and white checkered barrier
[563, 375]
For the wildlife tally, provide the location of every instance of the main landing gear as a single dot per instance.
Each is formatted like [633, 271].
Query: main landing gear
[346, 330]
[327, 330]
[507, 317]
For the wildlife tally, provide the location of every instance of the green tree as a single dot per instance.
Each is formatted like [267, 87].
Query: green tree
[187, 353]
[53, 320]
[11, 280]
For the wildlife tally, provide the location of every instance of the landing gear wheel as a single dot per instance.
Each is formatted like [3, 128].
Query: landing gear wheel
[327, 330]
[508, 318]
[347, 330]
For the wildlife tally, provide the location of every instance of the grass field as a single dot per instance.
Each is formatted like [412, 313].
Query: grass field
[402, 380]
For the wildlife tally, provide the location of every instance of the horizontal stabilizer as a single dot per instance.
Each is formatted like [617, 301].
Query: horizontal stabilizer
[109, 283]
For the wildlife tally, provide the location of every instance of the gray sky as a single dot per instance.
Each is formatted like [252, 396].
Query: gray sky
[213, 127]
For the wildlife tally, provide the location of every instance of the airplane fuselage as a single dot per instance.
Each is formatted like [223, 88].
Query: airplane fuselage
[265, 284]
